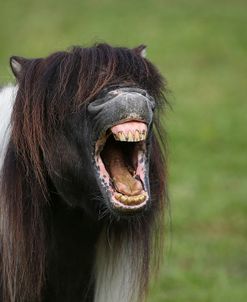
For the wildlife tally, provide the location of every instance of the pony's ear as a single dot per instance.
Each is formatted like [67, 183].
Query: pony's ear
[141, 50]
[17, 64]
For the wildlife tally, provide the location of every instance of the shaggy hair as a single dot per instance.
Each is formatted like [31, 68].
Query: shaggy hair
[49, 90]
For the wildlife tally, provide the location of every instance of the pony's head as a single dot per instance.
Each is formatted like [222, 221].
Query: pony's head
[85, 120]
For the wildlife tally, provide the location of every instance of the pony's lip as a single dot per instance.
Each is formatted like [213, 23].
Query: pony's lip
[131, 134]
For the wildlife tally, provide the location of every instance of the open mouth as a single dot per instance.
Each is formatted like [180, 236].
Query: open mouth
[120, 156]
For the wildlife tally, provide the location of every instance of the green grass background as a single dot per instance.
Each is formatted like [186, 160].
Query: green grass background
[201, 47]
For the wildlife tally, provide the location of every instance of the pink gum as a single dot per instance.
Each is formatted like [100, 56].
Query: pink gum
[129, 126]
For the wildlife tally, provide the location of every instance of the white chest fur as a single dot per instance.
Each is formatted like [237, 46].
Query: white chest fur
[7, 98]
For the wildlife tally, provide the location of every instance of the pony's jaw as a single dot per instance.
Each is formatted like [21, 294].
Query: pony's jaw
[121, 120]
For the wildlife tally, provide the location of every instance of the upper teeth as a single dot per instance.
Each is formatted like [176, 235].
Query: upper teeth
[130, 136]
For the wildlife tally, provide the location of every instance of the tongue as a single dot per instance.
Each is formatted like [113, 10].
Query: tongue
[124, 181]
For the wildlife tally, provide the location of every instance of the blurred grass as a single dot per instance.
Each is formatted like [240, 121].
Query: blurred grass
[201, 46]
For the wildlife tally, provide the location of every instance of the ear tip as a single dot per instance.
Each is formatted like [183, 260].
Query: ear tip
[14, 59]
[143, 46]
[15, 64]
[144, 52]
[141, 50]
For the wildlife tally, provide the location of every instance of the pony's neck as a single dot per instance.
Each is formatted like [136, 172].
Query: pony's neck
[71, 252]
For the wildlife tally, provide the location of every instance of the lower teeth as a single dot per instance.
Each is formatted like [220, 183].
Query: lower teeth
[130, 199]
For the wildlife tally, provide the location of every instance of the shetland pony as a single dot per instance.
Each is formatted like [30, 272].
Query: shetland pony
[82, 176]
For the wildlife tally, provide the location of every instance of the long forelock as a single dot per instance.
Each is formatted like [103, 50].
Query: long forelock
[81, 73]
